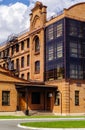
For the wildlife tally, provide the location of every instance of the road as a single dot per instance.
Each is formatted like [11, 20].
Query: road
[13, 124]
[9, 125]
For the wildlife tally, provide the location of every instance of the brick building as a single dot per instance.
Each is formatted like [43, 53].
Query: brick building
[51, 56]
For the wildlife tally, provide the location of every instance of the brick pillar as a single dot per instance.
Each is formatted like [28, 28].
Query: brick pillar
[66, 98]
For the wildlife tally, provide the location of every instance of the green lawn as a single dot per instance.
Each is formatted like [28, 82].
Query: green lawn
[56, 124]
[39, 116]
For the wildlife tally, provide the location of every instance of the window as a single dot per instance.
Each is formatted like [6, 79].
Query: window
[12, 65]
[76, 71]
[1, 54]
[5, 98]
[6, 52]
[57, 98]
[50, 53]
[81, 30]
[37, 44]
[22, 45]
[37, 67]
[13, 48]
[77, 49]
[54, 71]
[73, 71]
[76, 98]
[28, 43]
[22, 62]
[59, 50]
[28, 60]
[17, 64]
[50, 32]
[73, 31]
[59, 30]
[17, 47]
[80, 71]
[4, 65]
[35, 98]
[28, 75]
[73, 49]
[51, 74]
[60, 71]
[22, 76]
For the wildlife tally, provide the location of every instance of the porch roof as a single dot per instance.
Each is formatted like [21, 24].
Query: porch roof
[34, 85]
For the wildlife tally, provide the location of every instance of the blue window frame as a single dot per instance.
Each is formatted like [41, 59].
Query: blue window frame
[54, 51]
[75, 49]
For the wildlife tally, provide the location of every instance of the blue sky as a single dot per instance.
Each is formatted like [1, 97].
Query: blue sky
[14, 14]
[7, 2]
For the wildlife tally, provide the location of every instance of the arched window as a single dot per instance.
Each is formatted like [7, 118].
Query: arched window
[37, 67]
[37, 44]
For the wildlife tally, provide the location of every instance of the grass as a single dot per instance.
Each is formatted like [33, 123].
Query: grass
[56, 124]
[39, 116]
[53, 124]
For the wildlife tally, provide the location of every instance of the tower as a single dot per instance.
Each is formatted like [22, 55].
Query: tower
[37, 23]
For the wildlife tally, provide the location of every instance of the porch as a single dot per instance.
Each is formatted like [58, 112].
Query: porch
[32, 97]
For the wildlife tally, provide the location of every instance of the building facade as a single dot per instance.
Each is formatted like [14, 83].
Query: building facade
[53, 52]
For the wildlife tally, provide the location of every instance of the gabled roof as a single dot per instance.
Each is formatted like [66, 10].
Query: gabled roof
[7, 76]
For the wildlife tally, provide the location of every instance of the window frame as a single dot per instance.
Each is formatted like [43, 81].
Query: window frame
[73, 29]
[12, 64]
[37, 44]
[76, 71]
[59, 29]
[22, 45]
[28, 42]
[22, 62]
[37, 67]
[50, 53]
[17, 47]
[76, 98]
[12, 49]
[28, 60]
[28, 76]
[22, 76]
[59, 49]
[5, 98]
[50, 32]
[17, 64]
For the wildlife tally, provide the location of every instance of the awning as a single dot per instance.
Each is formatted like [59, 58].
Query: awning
[25, 85]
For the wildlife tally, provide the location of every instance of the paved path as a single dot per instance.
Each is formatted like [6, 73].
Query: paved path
[13, 124]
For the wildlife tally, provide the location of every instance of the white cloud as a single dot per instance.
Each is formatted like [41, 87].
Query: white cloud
[56, 5]
[15, 18]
